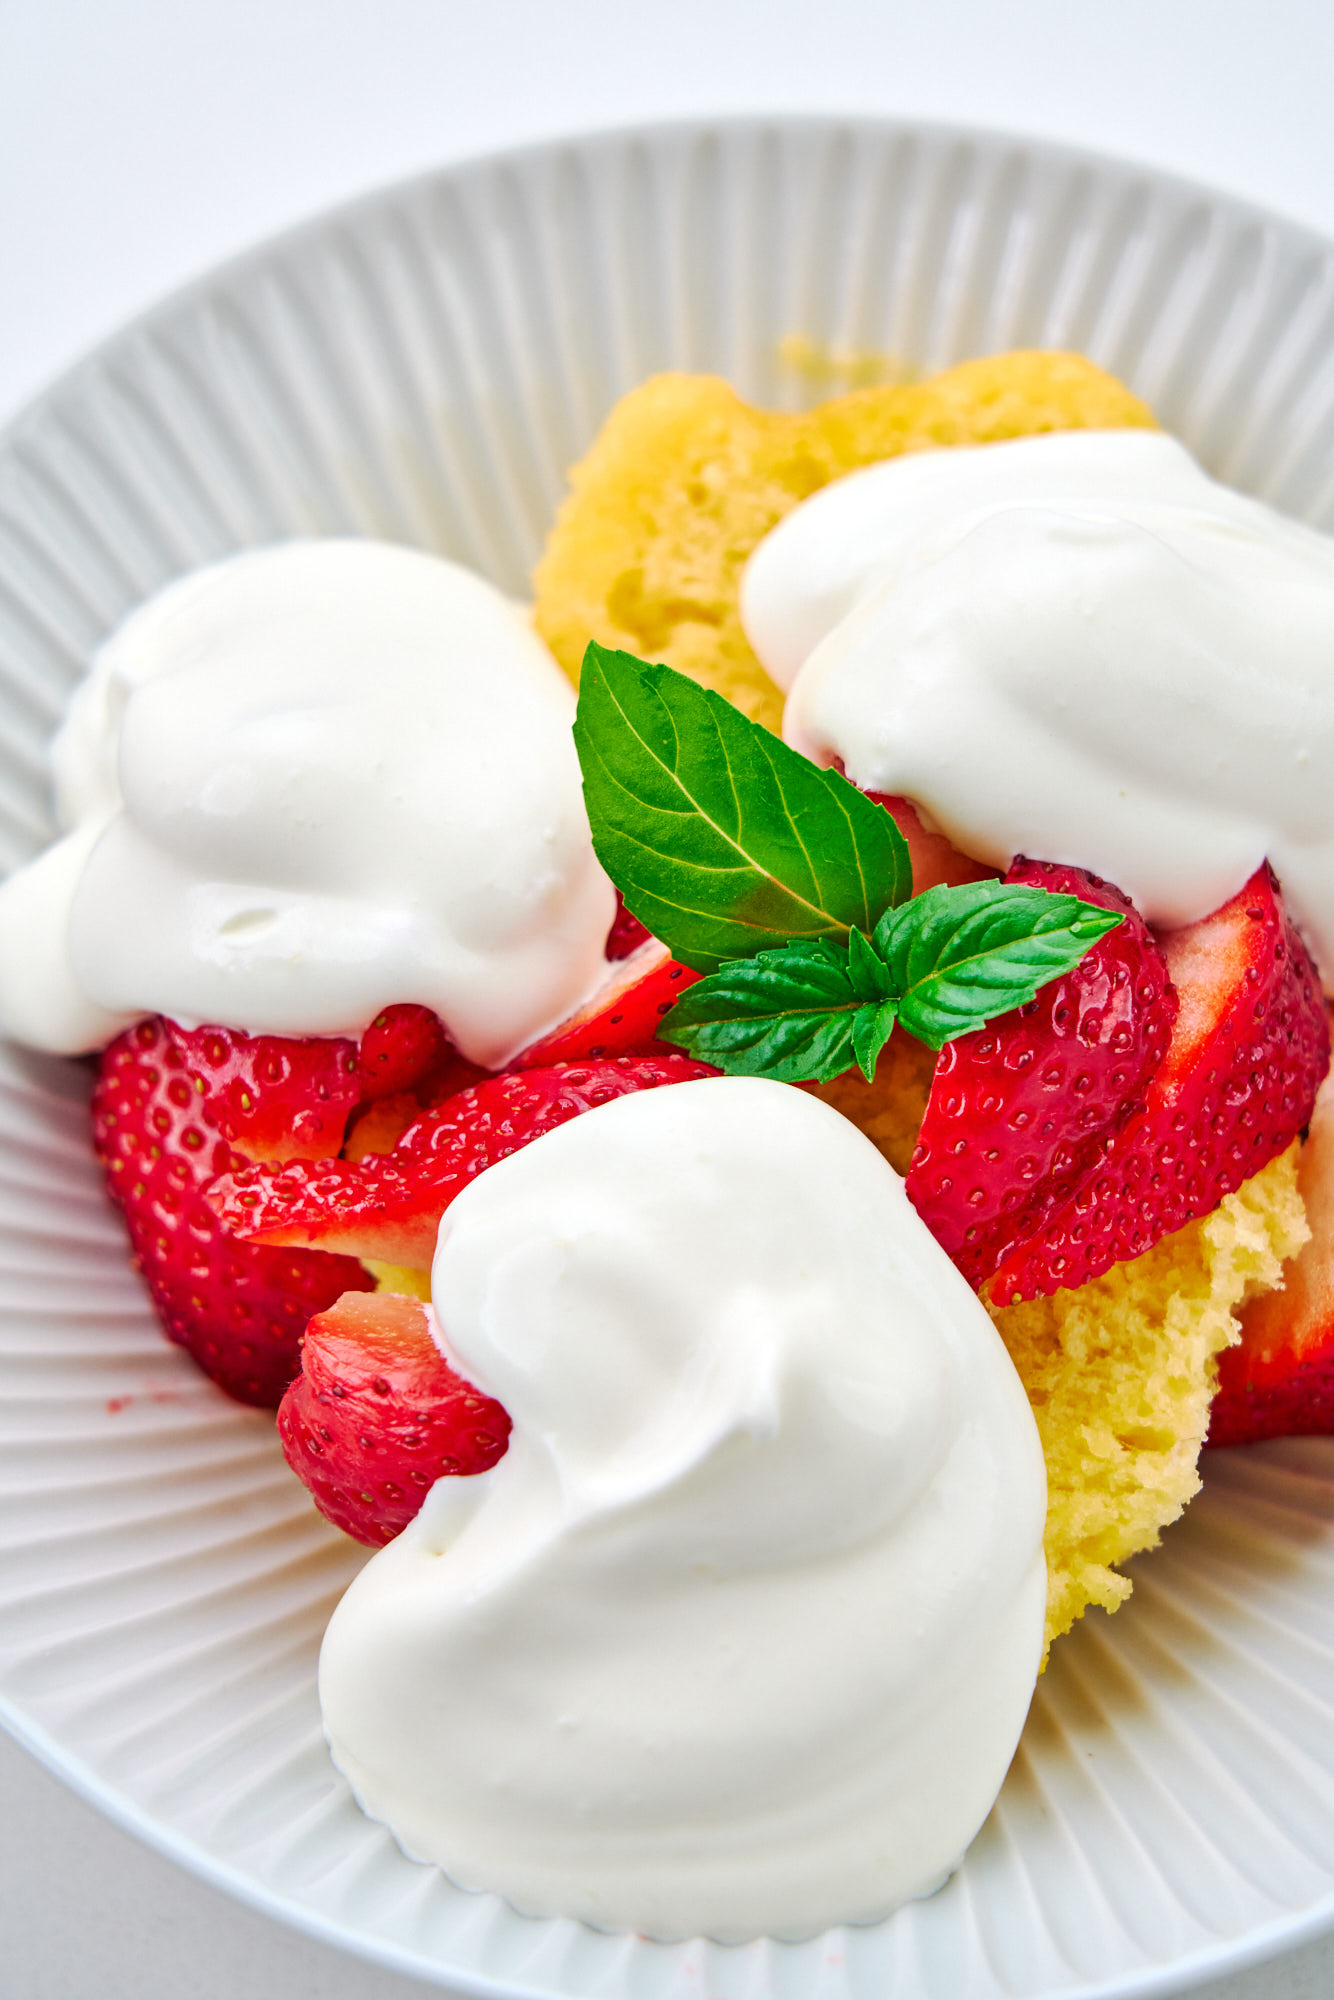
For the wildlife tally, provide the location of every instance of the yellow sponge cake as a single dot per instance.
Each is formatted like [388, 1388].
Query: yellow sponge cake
[684, 479]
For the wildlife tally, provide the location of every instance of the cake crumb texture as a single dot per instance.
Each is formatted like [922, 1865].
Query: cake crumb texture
[890, 1110]
[1121, 1372]
[684, 479]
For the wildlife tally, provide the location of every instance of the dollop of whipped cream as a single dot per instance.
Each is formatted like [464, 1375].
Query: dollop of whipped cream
[301, 785]
[739, 1636]
[1075, 646]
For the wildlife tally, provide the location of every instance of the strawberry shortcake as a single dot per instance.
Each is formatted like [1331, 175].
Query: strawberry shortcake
[737, 1184]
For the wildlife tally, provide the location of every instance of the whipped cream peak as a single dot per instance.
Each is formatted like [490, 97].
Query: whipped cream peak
[1076, 646]
[739, 1636]
[303, 784]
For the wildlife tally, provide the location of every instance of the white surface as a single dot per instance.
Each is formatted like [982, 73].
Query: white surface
[139, 143]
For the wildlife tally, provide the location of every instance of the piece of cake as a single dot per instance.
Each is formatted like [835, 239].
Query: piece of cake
[684, 479]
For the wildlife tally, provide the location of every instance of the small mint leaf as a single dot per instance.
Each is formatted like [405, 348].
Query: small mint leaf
[870, 977]
[721, 839]
[787, 1014]
[871, 1029]
[960, 956]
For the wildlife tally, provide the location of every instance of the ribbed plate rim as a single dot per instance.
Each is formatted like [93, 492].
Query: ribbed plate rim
[404, 187]
[1193, 1969]
[1283, 1934]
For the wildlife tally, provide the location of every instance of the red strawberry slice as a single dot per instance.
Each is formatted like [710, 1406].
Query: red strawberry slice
[1279, 1382]
[158, 1121]
[389, 1206]
[377, 1415]
[271, 1096]
[934, 858]
[626, 934]
[1021, 1113]
[624, 1015]
[400, 1049]
[405, 1063]
[1247, 1055]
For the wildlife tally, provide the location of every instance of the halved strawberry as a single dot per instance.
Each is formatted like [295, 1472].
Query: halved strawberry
[1247, 1055]
[377, 1415]
[158, 1128]
[1021, 1112]
[1279, 1382]
[624, 1015]
[388, 1207]
[273, 1097]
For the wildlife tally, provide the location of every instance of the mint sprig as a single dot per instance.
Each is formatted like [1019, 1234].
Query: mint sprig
[791, 891]
[793, 1014]
[943, 964]
[970, 953]
[722, 840]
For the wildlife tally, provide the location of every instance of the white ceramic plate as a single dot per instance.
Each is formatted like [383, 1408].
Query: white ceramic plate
[424, 366]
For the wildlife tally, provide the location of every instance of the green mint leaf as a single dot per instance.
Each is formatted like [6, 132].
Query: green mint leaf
[960, 956]
[871, 1029]
[786, 1014]
[871, 978]
[944, 964]
[721, 839]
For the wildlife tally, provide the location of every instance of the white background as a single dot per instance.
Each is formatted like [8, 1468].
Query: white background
[141, 141]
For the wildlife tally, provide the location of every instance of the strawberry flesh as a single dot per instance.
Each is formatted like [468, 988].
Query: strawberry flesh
[622, 1018]
[162, 1112]
[1021, 1112]
[1279, 1381]
[1247, 1055]
[377, 1415]
[388, 1206]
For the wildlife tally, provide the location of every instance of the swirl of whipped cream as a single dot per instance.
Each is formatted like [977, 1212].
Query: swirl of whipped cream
[303, 784]
[1075, 646]
[739, 1636]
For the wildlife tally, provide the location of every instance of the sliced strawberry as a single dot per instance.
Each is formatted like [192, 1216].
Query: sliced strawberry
[388, 1207]
[238, 1308]
[1247, 1054]
[626, 934]
[624, 1015]
[1279, 1382]
[273, 1097]
[377, 1415]
[1021, 1112]
[381, 1123]
[934, 858]
[400, 1049]
[405, 1063]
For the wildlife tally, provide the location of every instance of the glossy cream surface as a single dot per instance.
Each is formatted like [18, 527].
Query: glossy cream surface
[1077, 647]
[739, 1636]
[303, 784]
